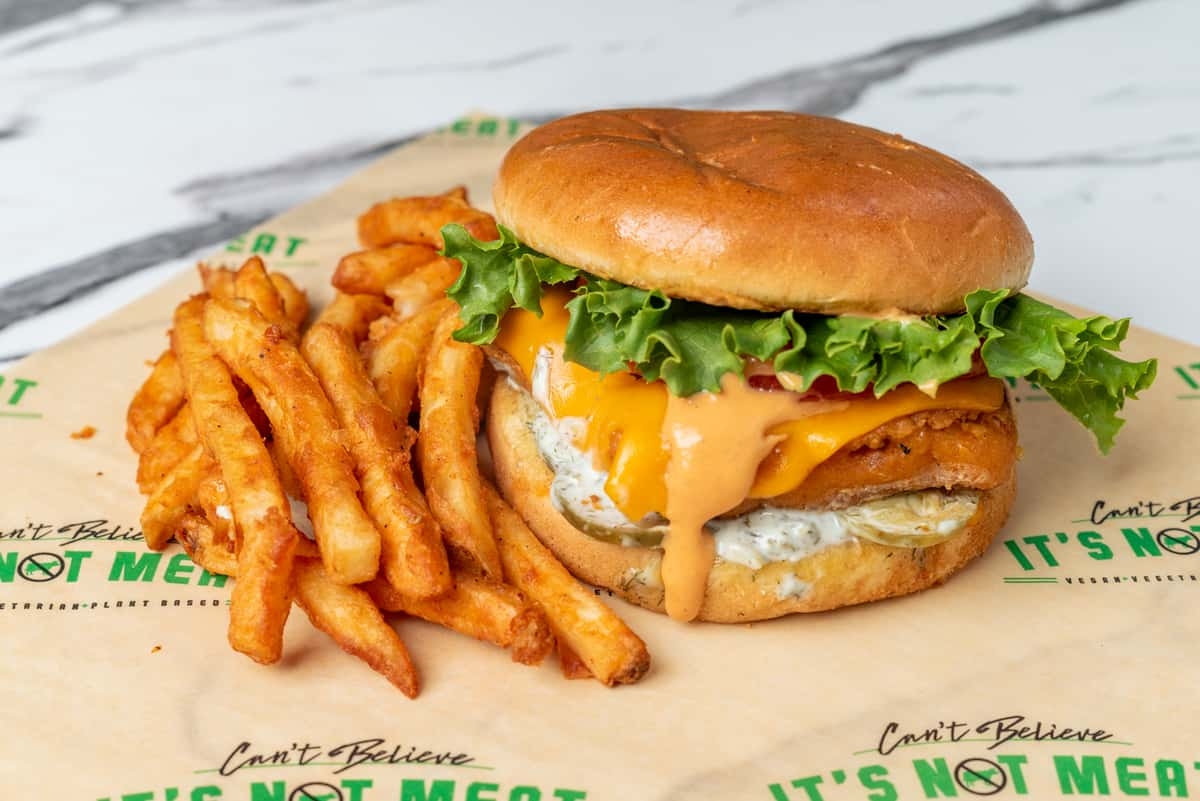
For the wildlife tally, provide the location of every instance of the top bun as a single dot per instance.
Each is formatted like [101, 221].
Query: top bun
[762, 210]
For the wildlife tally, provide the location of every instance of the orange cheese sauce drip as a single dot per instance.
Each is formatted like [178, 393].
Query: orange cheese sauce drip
[717, 441]
[691, 459]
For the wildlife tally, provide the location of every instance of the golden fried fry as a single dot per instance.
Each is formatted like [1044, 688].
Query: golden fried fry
[419, 220]
[155, 402]
[205, 547]
[413, 557]
[377, 329]
[569, 662]
[368, 272]
[394, 359]
[295, 302]
[353, 313]
[348, 615]
[218, 281]
[609, 648]
[446, 447]
[172, 442]
[252, 283]
[261, 597]
[481, 608]
[422, 286]
[304, 423]
[213, 497]
[169, 501]
[308, 549]
[287, 476]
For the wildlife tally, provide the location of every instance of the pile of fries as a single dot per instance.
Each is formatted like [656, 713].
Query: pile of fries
[251, 415]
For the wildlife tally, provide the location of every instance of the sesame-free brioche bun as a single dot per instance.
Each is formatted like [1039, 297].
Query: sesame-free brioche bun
[762, 210]
[850, 573]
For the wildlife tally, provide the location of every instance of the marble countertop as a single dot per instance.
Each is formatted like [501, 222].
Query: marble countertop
[136, 134]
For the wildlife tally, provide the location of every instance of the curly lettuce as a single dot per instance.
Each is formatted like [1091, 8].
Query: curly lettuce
[1071, 358]
[689, 346]
[495, 277]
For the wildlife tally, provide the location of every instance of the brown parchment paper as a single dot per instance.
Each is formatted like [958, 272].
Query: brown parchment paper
[1061, 663]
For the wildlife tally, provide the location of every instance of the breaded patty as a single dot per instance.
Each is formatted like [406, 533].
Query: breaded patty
[952, 449]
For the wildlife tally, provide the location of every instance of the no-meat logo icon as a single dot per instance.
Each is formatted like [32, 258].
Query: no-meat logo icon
[316, 791]
[1178, 541]
[980, 776]
[44, 566]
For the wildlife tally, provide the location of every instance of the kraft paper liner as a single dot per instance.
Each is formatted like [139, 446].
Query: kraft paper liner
[116, 681]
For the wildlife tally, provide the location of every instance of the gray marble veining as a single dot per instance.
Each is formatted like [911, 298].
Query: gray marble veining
[833, 88]
[65, 282]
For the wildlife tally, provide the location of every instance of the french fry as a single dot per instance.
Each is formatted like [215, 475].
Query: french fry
[287, 476]
[368, 272]
[304, 423]
[446, 447]
[295, 302]
[262, 596]
[481, 608]
[213, 497]
[419, 220]
[569, 662]
[308, 549]
[252, 283]
[169, 501]
[218, 281]
[353, 313]
[394, 359]
[350, 617]
[609, 648]
[155, 402]
[381, 325]
[422, 286]
[205, 547]
[170, 444]
[413, 557]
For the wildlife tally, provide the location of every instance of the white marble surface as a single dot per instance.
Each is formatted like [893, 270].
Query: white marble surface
[134, 134]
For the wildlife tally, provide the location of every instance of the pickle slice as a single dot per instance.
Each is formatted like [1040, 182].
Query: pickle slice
[913, 519]
[629, 535]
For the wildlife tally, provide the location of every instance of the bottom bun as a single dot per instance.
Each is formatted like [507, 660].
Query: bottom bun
[850, 573]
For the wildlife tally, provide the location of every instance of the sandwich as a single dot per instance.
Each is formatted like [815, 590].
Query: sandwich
[759, 363]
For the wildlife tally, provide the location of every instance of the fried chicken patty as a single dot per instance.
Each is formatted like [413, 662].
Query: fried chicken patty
[947, 448]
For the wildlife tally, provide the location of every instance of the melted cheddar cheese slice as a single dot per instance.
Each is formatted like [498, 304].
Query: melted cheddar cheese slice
[623, 415]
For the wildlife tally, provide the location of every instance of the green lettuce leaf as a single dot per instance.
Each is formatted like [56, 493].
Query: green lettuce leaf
[687, 345]
[495, 277]
[690, 346]
[1071, 358]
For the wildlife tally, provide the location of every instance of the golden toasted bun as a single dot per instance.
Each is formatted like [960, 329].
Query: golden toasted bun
[851, 573]
[762, 210]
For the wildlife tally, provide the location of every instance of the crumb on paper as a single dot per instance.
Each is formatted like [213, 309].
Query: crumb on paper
[156, 649]
[87, 432]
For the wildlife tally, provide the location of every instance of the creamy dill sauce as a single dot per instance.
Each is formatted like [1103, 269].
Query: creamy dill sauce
[913, 519]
